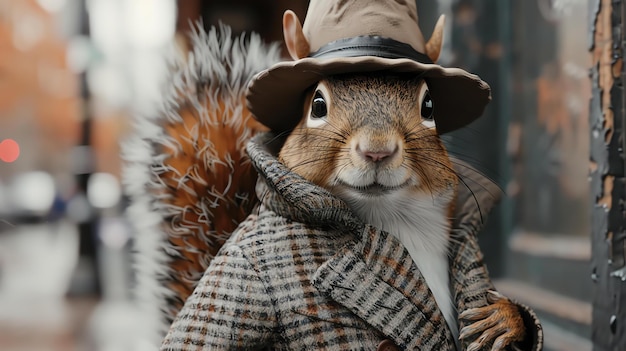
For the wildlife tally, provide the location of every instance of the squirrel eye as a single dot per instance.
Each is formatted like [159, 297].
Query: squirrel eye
[428, 108]
[318, 107]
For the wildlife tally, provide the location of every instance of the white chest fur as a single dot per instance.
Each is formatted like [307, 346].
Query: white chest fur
[421, 224]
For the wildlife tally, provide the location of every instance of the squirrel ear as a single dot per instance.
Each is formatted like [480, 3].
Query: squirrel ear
[296, 42]
[433, 46]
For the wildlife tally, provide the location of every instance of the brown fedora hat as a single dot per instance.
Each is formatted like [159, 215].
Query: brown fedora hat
[353, 36]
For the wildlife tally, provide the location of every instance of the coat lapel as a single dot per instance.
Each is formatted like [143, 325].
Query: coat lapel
[376, 279]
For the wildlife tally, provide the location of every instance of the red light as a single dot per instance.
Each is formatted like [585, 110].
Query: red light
[9, 150]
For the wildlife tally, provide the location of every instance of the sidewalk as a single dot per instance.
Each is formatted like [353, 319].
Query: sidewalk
[60, 325]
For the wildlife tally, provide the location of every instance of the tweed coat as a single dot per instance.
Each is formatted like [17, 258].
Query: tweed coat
[303, 273]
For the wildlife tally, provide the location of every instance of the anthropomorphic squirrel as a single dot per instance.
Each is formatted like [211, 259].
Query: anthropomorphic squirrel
[362, 233]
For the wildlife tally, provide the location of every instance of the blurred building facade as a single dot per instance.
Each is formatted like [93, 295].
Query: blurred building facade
[72, 73]
[39, 93]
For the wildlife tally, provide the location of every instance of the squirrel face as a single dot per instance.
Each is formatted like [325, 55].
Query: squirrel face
[370, 135]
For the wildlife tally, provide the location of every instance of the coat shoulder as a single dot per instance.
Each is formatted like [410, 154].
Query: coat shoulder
[266, 238]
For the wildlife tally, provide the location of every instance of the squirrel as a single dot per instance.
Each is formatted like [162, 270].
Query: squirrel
[252, 249]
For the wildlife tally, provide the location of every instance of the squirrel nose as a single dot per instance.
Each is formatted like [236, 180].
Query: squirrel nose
[376, 156]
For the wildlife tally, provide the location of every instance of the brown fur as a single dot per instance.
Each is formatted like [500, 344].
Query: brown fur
[209, 183]
[376, 107]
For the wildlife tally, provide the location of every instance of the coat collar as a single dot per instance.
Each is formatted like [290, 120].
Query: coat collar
[289, 195]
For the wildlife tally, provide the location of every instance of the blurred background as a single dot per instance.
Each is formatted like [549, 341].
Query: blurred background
[74, 72]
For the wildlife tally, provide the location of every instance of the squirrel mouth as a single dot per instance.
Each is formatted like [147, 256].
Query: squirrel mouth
[374, 189]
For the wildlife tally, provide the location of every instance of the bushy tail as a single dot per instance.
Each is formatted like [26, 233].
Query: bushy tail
[187, 174]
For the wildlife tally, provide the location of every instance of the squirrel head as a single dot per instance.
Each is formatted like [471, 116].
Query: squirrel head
[370, 135]
[360, 37]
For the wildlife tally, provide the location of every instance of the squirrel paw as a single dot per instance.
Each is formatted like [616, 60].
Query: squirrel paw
[500, 323]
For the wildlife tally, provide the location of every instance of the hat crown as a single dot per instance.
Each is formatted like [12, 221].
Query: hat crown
[330, 20]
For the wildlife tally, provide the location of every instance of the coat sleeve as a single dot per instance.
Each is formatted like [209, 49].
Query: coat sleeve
[229, 309]
[470, 278]
[470, 282]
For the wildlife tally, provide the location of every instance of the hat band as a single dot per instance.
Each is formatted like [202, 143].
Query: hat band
[370, 46]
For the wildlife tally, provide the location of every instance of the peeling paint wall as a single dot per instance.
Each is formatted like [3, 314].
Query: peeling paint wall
[606, 170]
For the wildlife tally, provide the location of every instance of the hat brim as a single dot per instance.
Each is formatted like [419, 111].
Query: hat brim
[275, 96]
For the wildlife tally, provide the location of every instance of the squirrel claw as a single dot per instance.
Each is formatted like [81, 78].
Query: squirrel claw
[499, 324]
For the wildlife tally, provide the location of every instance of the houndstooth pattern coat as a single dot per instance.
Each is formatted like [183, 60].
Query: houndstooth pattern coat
[303, 273]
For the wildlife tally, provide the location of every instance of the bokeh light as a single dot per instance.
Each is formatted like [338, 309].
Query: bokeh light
[9, 150]
[103, 190]
[33, 192]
